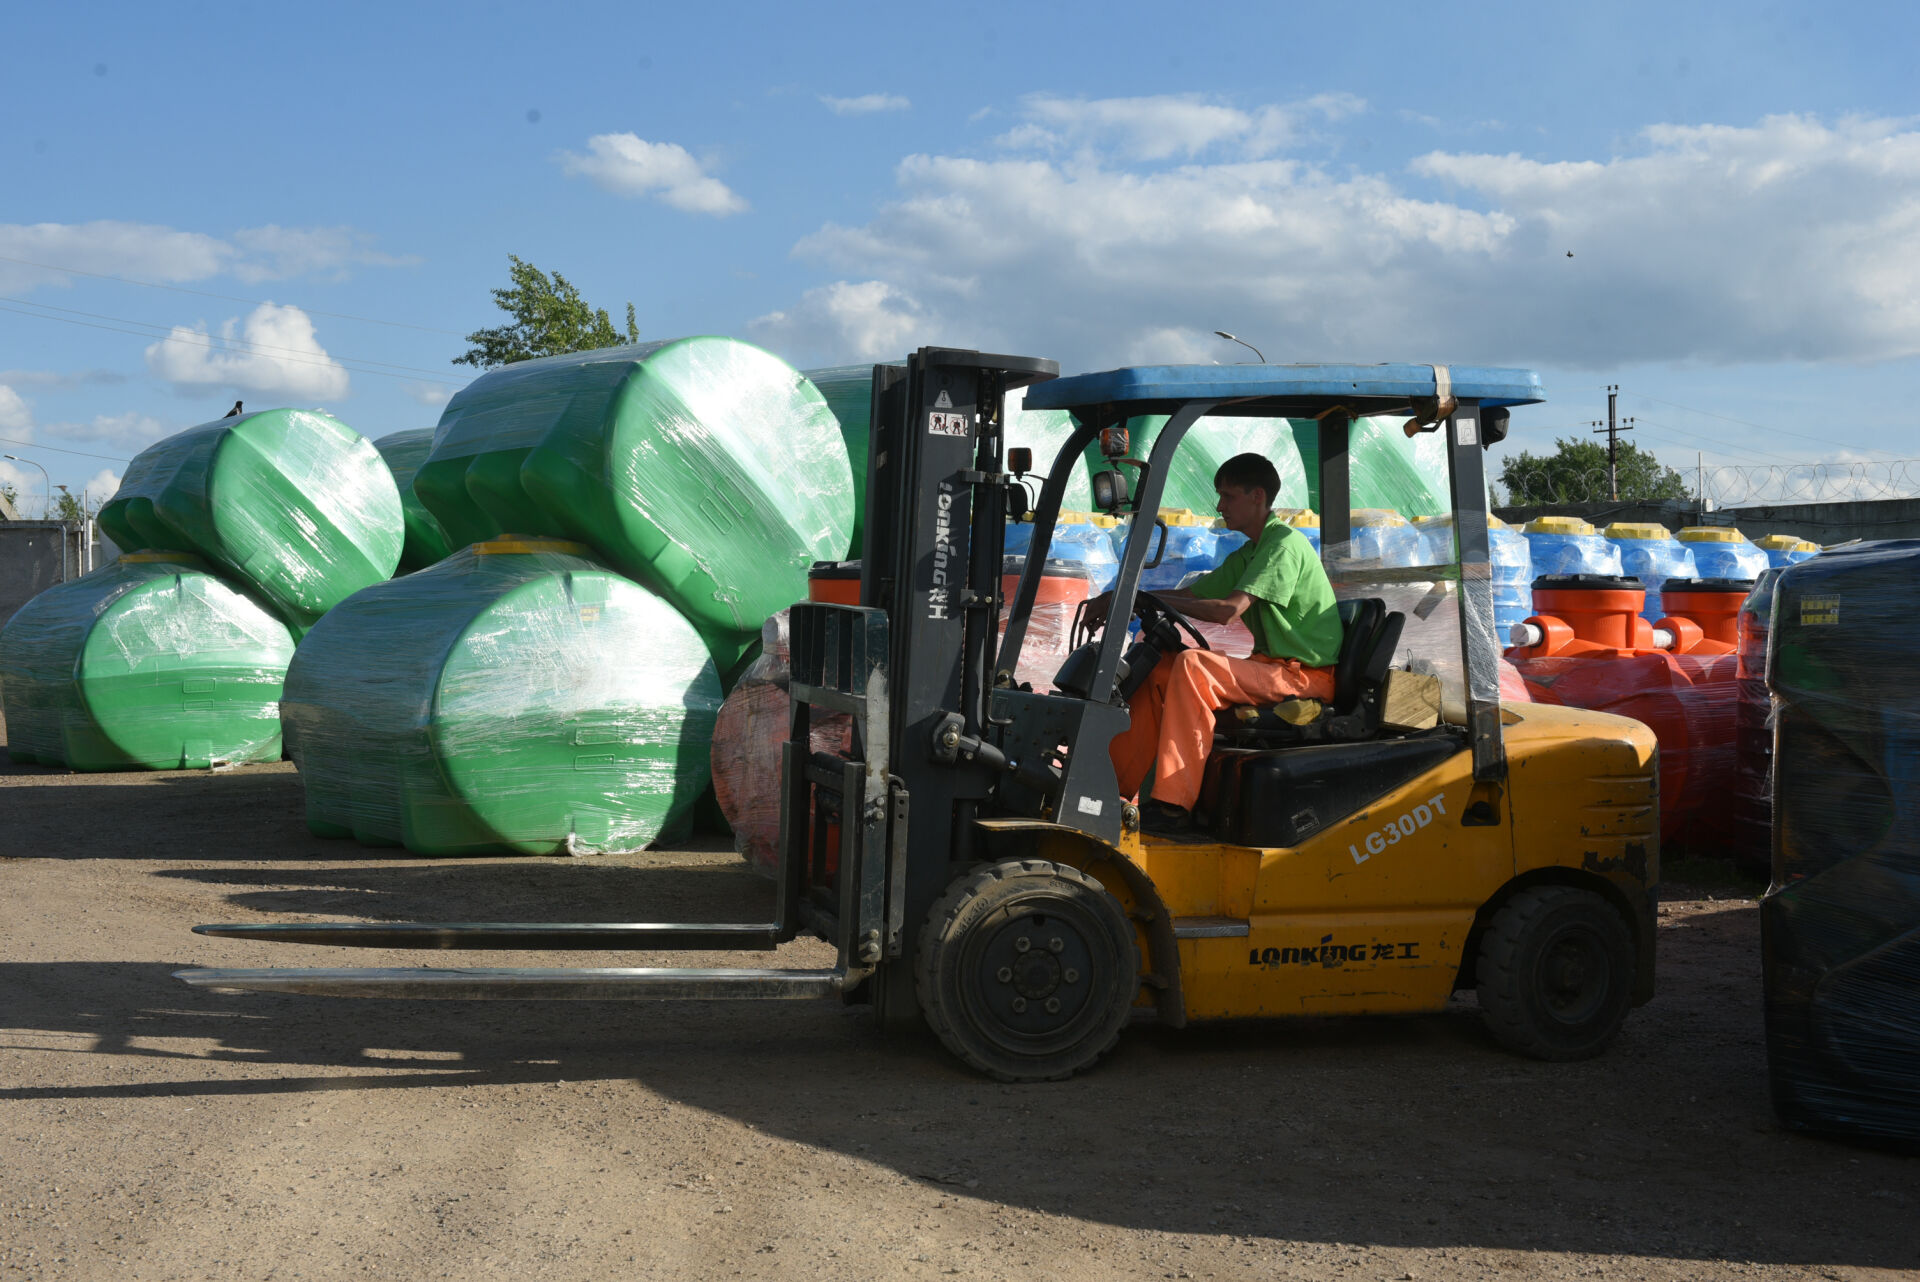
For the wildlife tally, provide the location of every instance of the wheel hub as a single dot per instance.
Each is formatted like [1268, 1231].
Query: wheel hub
[1033, 967]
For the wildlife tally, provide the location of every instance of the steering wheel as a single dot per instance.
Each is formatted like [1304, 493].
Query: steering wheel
[1163, 624]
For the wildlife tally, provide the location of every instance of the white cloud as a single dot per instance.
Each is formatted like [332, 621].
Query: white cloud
[627, 165]
[102, 486]
[1163, 125]
[866, 104]
[131, 431]
[847, 321]
[1784, 240]
[275, 353]
[16, 416]
[146, 251]
[431, 395]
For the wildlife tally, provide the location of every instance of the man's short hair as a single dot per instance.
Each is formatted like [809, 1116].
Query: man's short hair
[1250, 472]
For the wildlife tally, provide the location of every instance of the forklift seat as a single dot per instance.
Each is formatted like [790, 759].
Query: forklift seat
[1369, 637]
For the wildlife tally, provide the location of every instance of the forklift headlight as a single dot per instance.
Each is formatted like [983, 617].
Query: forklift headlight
[1109, 490]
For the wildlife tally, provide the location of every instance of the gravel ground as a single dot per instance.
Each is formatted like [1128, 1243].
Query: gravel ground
[152, 1131]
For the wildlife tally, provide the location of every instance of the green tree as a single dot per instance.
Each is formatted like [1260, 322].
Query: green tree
[68, 508]
[549, 317]
[1577, 473]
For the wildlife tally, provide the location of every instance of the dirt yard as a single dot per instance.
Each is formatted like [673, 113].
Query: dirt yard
[152, 1131]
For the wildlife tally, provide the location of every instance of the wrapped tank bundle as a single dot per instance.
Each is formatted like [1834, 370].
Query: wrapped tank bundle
[517, 697]
[1044, 432]
[1787, 549]
[1722, 552]
[1209, 443]
[426, 542]
[148, 663]
[1840, 926]
[703, 468]
[848, 391]
[1387, 468]
[1562, 545]
[293, 503]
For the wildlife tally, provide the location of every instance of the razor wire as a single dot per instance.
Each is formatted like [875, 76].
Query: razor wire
[1737, 485]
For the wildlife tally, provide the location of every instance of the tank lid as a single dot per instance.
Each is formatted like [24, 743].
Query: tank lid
[1181, 516]
[1588, 583]
[1099, 520]
[1067, 517]
[1711, 534]
[1376, 516]
[837, 570]
[1742, 586]
[1806, 545]
[1780, 542]
[520, 544]
[1300, 518]
[1557, 525]
[1637, 530]
[1495, 523]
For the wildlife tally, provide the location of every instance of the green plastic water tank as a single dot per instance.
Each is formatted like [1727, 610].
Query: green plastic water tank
[426, 542]
[516, 697]
[1387, 468]
[150, 663]
[1209, 443]
[293, 503]
[704, 468]
[848, 391]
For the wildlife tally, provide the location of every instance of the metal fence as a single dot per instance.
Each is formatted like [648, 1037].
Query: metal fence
[1733, 485]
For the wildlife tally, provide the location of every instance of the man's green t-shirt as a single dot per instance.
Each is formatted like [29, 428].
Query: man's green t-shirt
[1293, 615]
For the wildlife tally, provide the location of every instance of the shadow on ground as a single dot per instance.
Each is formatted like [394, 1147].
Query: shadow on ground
[1413, 1132]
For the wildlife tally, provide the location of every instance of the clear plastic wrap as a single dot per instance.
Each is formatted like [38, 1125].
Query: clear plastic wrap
[293, 503]
[752, 724]
[1387, 469]
[1786, 549]
[704, 468]
[1077, 537]
[1568, 545]
[426, 542]
[1840, 926]
[1044, 432]
[1652, 555]
[1752, 800]
[150, 663]
[517, 697]
[1721, 552]
[848, 391]
[1208, 443]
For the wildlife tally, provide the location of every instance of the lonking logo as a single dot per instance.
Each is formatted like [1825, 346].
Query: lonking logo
[939, 594]
[1328, 953]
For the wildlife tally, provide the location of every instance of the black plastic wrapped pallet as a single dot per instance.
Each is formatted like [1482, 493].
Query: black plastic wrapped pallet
[1841, 923]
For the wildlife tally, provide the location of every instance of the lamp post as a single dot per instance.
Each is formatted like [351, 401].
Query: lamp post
[1243, 342]
[43, 472]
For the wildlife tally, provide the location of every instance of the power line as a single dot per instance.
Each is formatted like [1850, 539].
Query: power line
[230, 298]
[32, 445]
[1779, 431]
[150, 330]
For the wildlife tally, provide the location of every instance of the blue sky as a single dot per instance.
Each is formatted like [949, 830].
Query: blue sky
[1739, 186]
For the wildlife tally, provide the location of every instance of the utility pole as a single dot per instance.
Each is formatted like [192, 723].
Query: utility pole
[1613, 430]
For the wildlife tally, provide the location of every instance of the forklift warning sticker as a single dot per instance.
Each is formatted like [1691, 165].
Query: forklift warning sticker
[1405, 826]
[1819, 611]
[940, 424]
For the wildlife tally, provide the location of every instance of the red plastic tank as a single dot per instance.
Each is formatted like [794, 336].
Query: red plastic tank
[1703, 614]
[1596, 652]
[834, 582]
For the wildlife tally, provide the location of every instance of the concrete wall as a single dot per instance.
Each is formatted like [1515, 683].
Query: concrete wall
[35, 555]
[1824, 523]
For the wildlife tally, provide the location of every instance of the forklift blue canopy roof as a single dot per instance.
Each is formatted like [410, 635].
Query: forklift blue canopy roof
[1282, 391]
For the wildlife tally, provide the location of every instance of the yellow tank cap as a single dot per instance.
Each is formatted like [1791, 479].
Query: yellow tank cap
[154, 554]
[1781, 542]
[1557, 525]
[1073, 518]
[1495, 523]
[1637, 530]
[1181, 516]
[1300, 518]
[1711, 534]
[1806, 545]
[1375, 516]
[519, 544]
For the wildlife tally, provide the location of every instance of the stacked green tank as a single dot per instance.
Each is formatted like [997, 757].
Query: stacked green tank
[516, 697]
[1209, 443]
[704, 468]
[294, 504]
[152, 662]
[848, 392]
[425, 542]
[1388, 469]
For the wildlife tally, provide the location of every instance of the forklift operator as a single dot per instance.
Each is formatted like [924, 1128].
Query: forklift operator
[1276, 585]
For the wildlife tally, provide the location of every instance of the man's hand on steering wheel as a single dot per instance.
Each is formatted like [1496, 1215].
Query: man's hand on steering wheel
[1151, 610]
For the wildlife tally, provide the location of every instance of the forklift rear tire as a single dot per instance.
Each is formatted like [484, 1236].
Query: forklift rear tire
[1556, 973]
[1027, 970]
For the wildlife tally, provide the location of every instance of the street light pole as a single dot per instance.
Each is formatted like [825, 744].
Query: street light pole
[1243, 342]
[43, 472]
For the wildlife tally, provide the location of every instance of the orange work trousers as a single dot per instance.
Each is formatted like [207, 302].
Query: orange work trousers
[1172, 715]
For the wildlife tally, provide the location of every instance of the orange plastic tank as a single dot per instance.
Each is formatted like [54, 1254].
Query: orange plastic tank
[834, 582]
[1704, 614]
[1588, 614]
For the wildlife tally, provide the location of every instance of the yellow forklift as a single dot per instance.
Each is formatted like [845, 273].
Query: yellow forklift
[971, 858]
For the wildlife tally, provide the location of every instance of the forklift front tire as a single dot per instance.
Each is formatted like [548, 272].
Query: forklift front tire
[1556, 973]
[1027, 970]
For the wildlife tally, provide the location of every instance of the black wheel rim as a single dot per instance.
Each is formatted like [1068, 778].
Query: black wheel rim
[1574, 975]
[1035, 975]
